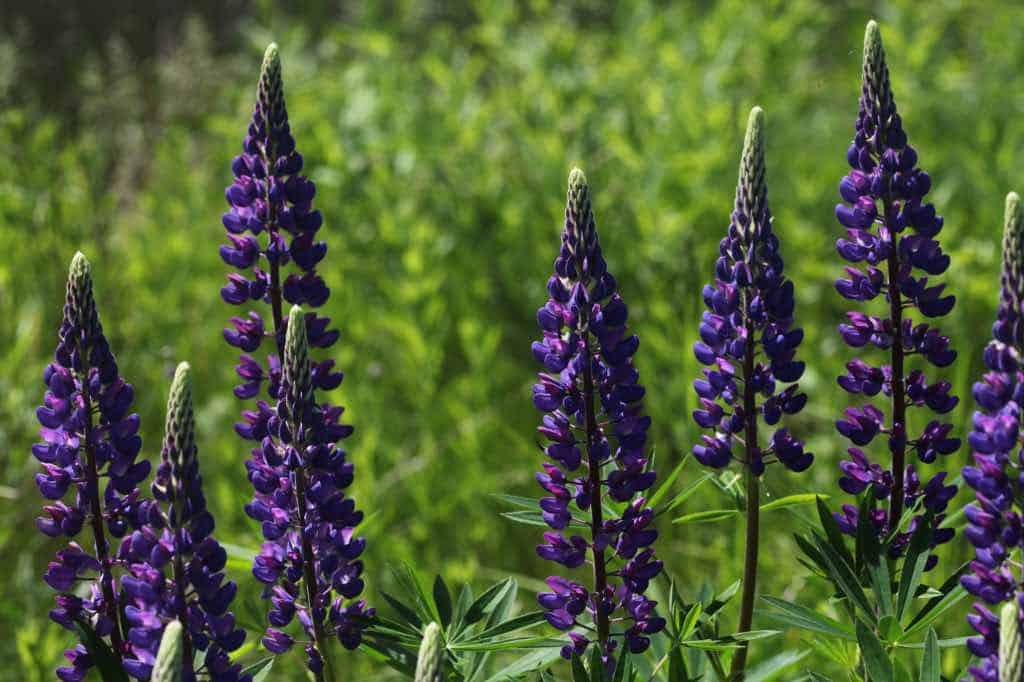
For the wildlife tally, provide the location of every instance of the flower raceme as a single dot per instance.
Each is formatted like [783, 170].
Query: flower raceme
[296, 468]
[175, 566]
[310, 560]
[994, 518]
[88, 434]
[748, 343]
[596, 436]
[893, 252]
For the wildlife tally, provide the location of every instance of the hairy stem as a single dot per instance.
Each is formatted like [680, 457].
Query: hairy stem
[309, 579]
[899, 406]
[739, 661]
[596, 523]
[96, 520]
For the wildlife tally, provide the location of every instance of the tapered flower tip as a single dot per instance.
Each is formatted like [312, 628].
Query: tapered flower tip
[578, 209]
[180, 434]
[752, 190]
[167, 667]
[430, 663]
[1013, 247]
[270, 91]
[873, 39]
[875, 70]
[296, 332]
[296, 371]
[753, 143]
[82, 307]
[1011, 656]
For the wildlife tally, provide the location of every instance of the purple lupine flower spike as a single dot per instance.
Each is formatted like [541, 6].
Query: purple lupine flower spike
[175, 566]
[88, 434]
[995, 518]
[310, 531]
[891, 245]
[310, 560]
[597, 434]
[748, 342]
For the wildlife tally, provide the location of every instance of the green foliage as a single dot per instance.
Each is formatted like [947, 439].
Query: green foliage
[439, 135]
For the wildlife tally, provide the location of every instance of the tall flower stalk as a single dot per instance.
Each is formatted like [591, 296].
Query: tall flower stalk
[176, 567]
[596, 436]
[995, 517]
[88, 434]
[749, 343]
[297, 469]
[892, 247]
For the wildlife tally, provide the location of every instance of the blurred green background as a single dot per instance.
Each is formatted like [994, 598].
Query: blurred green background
[440, 135]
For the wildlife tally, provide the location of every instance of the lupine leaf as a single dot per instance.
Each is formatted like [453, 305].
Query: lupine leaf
[518, 623]
[690, 622]
[687, 491]
[844, 578]
[707, 516]
[443, 601]
[479, 608]
[950, 594]
[832, 531]
[507, 644]
[405, 612]
[771, 669]
[930, 662]
[913, 567]
[461, 607]
[102, 655]
[791, 501]
[410, 584]
[531, 662]
[667, 483]
[802, 617]
[876, 662]
[579, 673]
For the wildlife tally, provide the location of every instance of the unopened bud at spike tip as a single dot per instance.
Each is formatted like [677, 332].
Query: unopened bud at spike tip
[180, 438]
[430, 664]
[1011, 656]
[169, 658]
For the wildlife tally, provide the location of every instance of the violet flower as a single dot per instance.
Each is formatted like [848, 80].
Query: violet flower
[296, 467]
[891, 243]
[88, 435]
[994, 519]
[176, 566]
[310, 560]
[597, 434]
[749, 342]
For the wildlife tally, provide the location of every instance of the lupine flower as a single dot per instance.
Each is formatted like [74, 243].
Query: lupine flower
[88, 434]
[597, 434]
[175, 566]
[994, 519]
[749, 312]
[891, 245]
[271, 224]
[310, 560]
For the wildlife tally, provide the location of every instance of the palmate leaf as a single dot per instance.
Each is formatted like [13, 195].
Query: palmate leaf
[389, 653]
[844, 578]
[950, 594]
[424, 606]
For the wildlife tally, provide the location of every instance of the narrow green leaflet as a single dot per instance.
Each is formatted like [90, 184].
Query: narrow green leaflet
[667, 484]
[791, 501]
[103, 657]
[930, 662]
[539, 659]
[913, 568]
[443, 601]
[878, 665]
[774, 667]
[804, 618]
[707, 516]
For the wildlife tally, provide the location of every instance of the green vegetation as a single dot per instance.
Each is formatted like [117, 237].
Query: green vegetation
[440, 142]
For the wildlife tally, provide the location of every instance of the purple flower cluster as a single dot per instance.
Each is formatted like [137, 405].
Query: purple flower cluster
[995, 521]
[749, 311]
[179, 539]
[596, 436]
[310, 560]
[883, 198]
[296, 468]
[88, 434]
